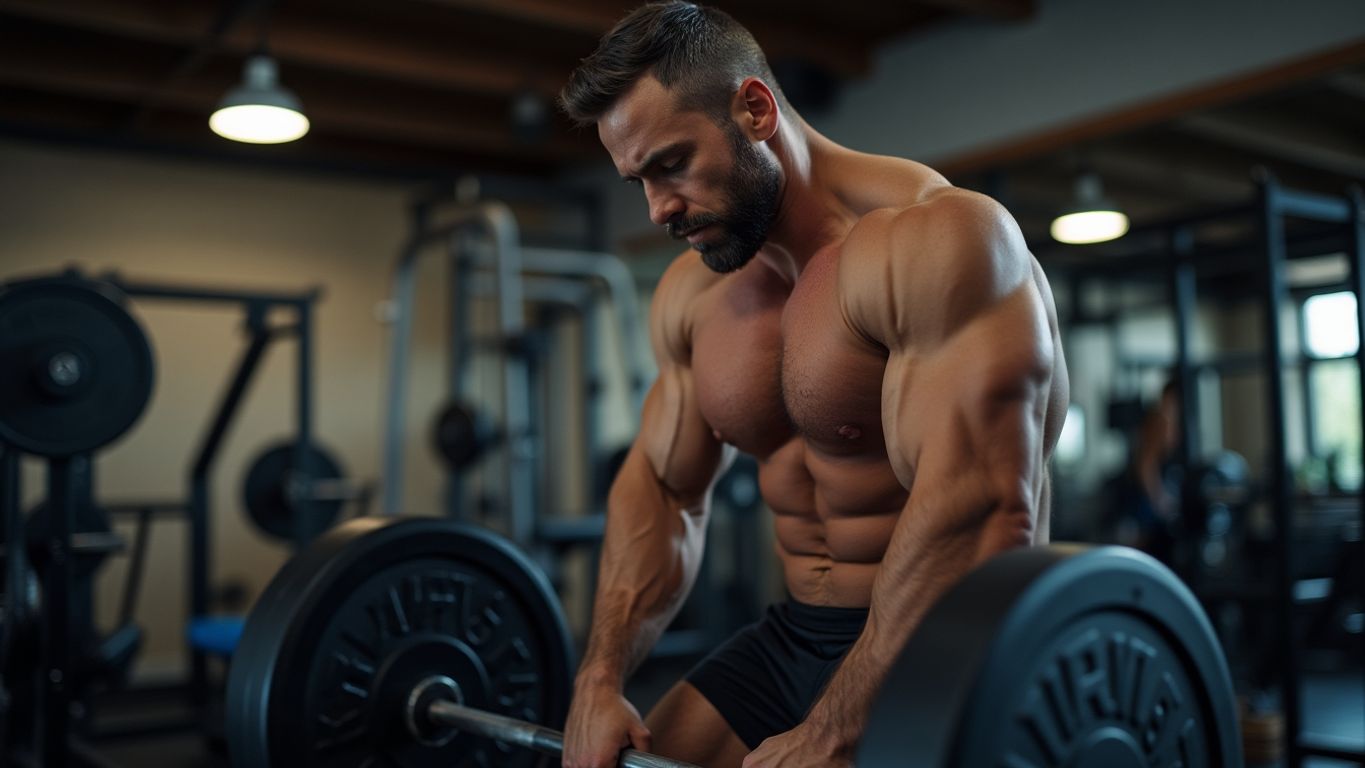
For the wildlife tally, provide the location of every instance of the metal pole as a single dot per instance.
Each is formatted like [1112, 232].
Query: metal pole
[1274, 292]
[1356, 224]
[502, 226]
[301, 478]
[58, 582]
[16, 590]
[529, 735]
[198, 509]
[1184, 291]
[400, 336]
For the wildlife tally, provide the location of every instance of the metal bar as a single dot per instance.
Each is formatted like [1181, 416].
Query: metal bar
[154, 508]
[133, 582]
[574, 294]
[227, 408]
[301, 478]
[625, 299]
[145, 290]
[16, 574]
[1308, 205]
[198, 512]
[58, 586]
[520, 482]
[1185, 298]
[456, 348]
[1356, 256]
[1274, 292]
[400, 338]
[529, 735]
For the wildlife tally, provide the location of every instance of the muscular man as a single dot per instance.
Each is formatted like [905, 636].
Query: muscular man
[884, 345]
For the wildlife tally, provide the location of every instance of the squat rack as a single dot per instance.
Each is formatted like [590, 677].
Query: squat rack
[1179, 257]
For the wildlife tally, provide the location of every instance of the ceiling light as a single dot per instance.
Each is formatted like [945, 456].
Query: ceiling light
[260, 110]
[1093, 219]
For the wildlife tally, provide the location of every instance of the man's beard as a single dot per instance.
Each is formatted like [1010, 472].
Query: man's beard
[753, 192]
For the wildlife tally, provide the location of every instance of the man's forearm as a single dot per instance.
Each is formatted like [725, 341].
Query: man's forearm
[649, 562]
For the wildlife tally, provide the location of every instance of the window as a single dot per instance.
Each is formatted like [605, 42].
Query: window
[1329, 321]
[1332, 338]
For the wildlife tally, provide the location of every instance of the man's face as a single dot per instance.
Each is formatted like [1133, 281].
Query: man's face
[705, 183]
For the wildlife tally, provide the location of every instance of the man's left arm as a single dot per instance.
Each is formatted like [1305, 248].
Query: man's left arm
[952, 298]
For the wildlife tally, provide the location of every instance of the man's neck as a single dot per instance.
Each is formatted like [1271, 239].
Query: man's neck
[811, 215]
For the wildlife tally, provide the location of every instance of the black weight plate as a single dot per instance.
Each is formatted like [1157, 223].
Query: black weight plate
[461, 435]
[1059, 656]
[264, 492]
[76, 370]
[348, 627]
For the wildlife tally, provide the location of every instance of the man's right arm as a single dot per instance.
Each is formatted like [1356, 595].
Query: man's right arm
[656, 516]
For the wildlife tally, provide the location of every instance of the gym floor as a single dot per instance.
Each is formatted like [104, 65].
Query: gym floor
[192, 750]
[1334, 711]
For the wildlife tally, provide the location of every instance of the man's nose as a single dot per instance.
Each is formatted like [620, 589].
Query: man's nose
[664, 206]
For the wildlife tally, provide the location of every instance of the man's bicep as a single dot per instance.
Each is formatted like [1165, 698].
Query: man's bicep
[674, 436]
[964, 422]
[681, 450]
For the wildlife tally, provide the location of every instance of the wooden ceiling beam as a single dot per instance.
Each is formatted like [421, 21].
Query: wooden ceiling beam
[996, 10]
[1348, 84]
[352, 50]
[582, 18]
[1154, 112]
[1308, 146]
[375, 120]
[828, 47]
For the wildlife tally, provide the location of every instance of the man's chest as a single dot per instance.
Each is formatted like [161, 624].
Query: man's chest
[772, 366]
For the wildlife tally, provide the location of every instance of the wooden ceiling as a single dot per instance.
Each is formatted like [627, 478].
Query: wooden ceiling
[426, 89]
[404, 87]
[1303, 121]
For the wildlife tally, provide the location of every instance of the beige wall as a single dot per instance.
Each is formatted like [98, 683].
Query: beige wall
[215, 225]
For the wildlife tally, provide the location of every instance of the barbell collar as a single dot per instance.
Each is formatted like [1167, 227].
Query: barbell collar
[529, 735]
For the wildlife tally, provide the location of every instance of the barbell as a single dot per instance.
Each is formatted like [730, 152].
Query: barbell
[423, 641]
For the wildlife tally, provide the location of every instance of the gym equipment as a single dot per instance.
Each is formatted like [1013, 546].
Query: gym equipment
[1059, 656]
[92, 537]
[77, 368]
[345, 632]
[398, 642]
[270, 493]
[462, 434]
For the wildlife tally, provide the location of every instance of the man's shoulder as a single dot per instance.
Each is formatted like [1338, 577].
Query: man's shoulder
[945, 218]
[673, 306]
[952, 246]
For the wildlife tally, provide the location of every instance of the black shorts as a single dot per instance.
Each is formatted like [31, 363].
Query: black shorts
[765, 678]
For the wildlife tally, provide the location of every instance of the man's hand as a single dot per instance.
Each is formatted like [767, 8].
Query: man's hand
[802, 747]
[601, 723]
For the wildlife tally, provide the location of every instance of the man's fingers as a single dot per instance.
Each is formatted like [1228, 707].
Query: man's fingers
[641, 738]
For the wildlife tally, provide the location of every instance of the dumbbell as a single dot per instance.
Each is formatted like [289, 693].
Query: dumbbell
[429, 642]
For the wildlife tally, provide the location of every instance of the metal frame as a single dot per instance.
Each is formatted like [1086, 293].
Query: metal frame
[1344, 216]
[257, 306]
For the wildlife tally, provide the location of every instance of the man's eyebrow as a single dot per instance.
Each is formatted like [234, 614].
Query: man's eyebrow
[657, 156]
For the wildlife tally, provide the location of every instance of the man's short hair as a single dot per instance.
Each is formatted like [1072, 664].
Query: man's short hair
[699, 53]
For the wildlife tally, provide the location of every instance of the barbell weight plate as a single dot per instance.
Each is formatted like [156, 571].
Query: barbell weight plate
[349, 626]
[1059, 656]
[76, 370]
[265, 492]
[462, 434]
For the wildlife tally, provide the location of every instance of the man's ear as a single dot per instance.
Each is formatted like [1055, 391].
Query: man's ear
[756, 109]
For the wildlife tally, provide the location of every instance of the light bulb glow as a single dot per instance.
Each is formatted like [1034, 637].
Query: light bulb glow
[1085, 227]
[259, 124]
